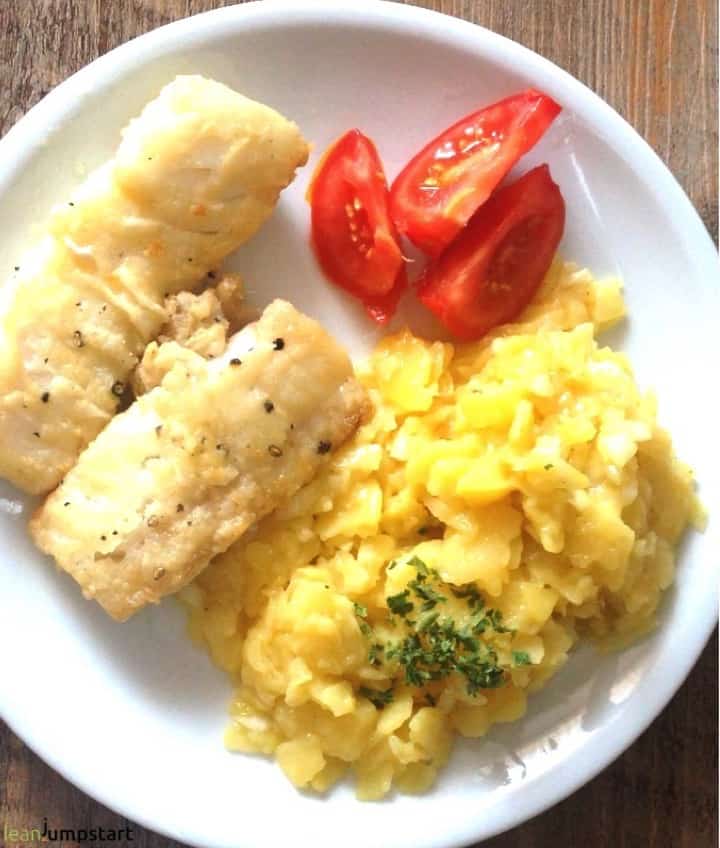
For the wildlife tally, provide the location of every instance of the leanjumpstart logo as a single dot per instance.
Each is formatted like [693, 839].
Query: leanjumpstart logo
[29, 835]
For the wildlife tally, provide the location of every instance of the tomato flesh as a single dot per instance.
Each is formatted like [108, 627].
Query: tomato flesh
[490, 273]
[441, 188]
[353, 236]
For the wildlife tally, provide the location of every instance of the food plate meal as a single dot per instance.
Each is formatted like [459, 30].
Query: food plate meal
[351, 479]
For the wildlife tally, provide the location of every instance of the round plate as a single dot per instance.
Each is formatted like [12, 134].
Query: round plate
[134, 714]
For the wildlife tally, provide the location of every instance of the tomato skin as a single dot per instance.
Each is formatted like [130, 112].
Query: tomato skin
[490, 273]
[352, 234]
[443, 185]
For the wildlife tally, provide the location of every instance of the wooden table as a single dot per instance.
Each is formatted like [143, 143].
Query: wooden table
[656, 62]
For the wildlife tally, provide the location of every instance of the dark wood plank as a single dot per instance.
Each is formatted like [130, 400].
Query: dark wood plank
[656, 62]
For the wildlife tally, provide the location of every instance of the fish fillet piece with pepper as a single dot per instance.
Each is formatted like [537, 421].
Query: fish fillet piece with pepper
[194, 177]
[197, 323]
[191, 465]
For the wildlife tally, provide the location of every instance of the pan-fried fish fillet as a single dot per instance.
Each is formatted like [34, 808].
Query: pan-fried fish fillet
[194, 177]
[199, 323]
[181, 474]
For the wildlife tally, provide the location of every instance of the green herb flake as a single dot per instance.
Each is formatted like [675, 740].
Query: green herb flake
[440, 649]
[470, 594]
[400, 604]
[436, 646]
[428, 595]
[426, 621]
[375, 654]
[420, 567]
[495, 618]
[378, 697]
[361, 614]
[360, 610]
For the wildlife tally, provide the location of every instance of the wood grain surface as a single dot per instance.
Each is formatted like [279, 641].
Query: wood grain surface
[656, 62]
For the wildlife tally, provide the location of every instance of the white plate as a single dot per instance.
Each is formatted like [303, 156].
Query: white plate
[132, 713]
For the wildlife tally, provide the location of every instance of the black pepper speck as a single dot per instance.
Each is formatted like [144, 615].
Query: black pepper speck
[268, 405]
[78, 339]
[278, 344]
[324, 447]
[45, 397]
[236, 361]
[118, 388]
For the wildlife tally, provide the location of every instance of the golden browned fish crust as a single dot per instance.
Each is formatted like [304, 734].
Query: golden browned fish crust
[195, 176]
[182, 474]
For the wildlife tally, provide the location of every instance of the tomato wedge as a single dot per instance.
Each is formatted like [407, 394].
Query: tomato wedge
[443, 186]
[353, 236]
[490, 273]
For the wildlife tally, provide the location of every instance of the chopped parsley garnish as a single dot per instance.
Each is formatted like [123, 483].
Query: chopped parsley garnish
[400, 604]
[442, 649]
[495, 618]
[360, 610]
[361, 613]
[379, 697]
[470, 592]
[424, 592]
[434, 645]
[375, 652]
[421, 567]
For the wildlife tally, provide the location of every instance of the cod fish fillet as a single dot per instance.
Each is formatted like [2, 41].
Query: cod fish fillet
[194, 177]
[186, 469]
[196, 323]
